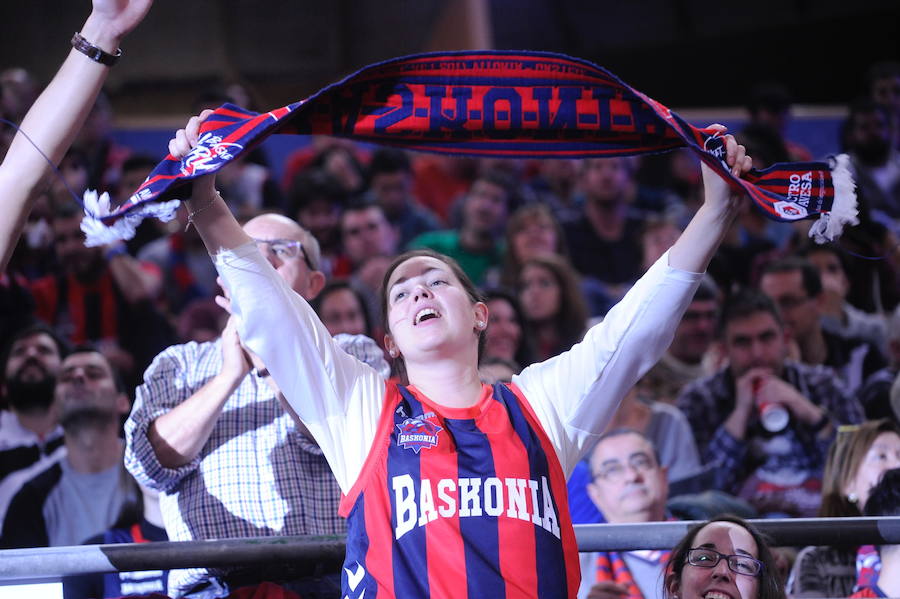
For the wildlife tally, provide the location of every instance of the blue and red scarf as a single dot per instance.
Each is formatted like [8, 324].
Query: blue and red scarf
[510, 104]
[868, 567]
[611, 567]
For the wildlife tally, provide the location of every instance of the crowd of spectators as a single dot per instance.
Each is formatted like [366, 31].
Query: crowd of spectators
[780, 383]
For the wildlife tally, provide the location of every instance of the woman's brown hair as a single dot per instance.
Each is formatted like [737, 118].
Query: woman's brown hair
[845, 456]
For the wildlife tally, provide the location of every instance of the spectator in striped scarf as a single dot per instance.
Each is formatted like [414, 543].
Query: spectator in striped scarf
[629, 485]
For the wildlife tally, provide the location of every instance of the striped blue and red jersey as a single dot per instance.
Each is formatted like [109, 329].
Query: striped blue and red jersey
[460, 502]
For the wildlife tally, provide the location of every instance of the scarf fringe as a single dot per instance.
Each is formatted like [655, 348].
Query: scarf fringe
[844, 209]
[96, 207]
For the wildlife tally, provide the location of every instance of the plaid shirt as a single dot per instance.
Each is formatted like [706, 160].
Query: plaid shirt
[708, 402]
[256, 475]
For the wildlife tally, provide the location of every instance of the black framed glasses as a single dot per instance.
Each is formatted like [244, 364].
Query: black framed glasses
[284, 249]
[739, 564]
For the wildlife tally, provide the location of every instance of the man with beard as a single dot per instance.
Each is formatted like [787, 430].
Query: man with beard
[30, 436]
[84, 493]
[876, 166]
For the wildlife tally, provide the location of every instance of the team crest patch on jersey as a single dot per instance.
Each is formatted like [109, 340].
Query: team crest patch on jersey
[417, 433]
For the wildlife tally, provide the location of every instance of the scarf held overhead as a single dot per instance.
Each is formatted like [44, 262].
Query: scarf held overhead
[510, 104]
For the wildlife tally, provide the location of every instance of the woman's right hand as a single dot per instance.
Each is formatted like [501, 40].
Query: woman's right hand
[182, 144]
[185, 139]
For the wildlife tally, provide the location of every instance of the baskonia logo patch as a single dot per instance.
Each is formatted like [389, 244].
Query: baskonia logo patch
[417, 433]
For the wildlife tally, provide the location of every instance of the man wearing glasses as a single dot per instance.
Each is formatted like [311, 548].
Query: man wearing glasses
[628, 485]
[209, 430]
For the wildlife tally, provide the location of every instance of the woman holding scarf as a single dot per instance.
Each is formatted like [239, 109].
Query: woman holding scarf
[454, 488]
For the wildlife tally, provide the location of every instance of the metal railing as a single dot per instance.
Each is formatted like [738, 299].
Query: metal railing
[51, 563]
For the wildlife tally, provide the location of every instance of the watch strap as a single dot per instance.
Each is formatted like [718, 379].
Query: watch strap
[93, 52]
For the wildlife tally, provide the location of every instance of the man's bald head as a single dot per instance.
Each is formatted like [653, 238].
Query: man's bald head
[277, 236]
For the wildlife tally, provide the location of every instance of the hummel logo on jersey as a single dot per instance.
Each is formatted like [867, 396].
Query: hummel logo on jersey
[354, 578]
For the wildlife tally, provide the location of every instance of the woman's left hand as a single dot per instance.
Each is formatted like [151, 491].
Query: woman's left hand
[718, 191]
[700, 240]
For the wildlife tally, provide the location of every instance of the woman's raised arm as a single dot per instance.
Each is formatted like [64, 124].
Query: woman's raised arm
[337, 397]
[58, 114]
[701, 238]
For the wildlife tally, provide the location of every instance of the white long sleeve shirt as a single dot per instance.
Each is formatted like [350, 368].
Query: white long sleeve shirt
[339, 399]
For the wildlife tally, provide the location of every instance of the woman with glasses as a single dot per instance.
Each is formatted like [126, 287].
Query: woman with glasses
[724, 558]
[453, 488]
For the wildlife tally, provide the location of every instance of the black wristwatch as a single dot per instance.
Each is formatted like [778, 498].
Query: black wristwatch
[93, 52]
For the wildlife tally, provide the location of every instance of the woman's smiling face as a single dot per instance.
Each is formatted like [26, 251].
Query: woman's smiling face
[720, 582]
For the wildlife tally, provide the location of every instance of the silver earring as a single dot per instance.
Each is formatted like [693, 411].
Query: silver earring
[853, 498]
[480, 324]
[394, 353]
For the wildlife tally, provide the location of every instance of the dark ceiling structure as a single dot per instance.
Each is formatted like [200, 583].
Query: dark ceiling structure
[686, 53]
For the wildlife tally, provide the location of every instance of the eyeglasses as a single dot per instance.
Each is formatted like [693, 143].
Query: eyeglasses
[739, 564]
[284, 249]
[614, 471]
